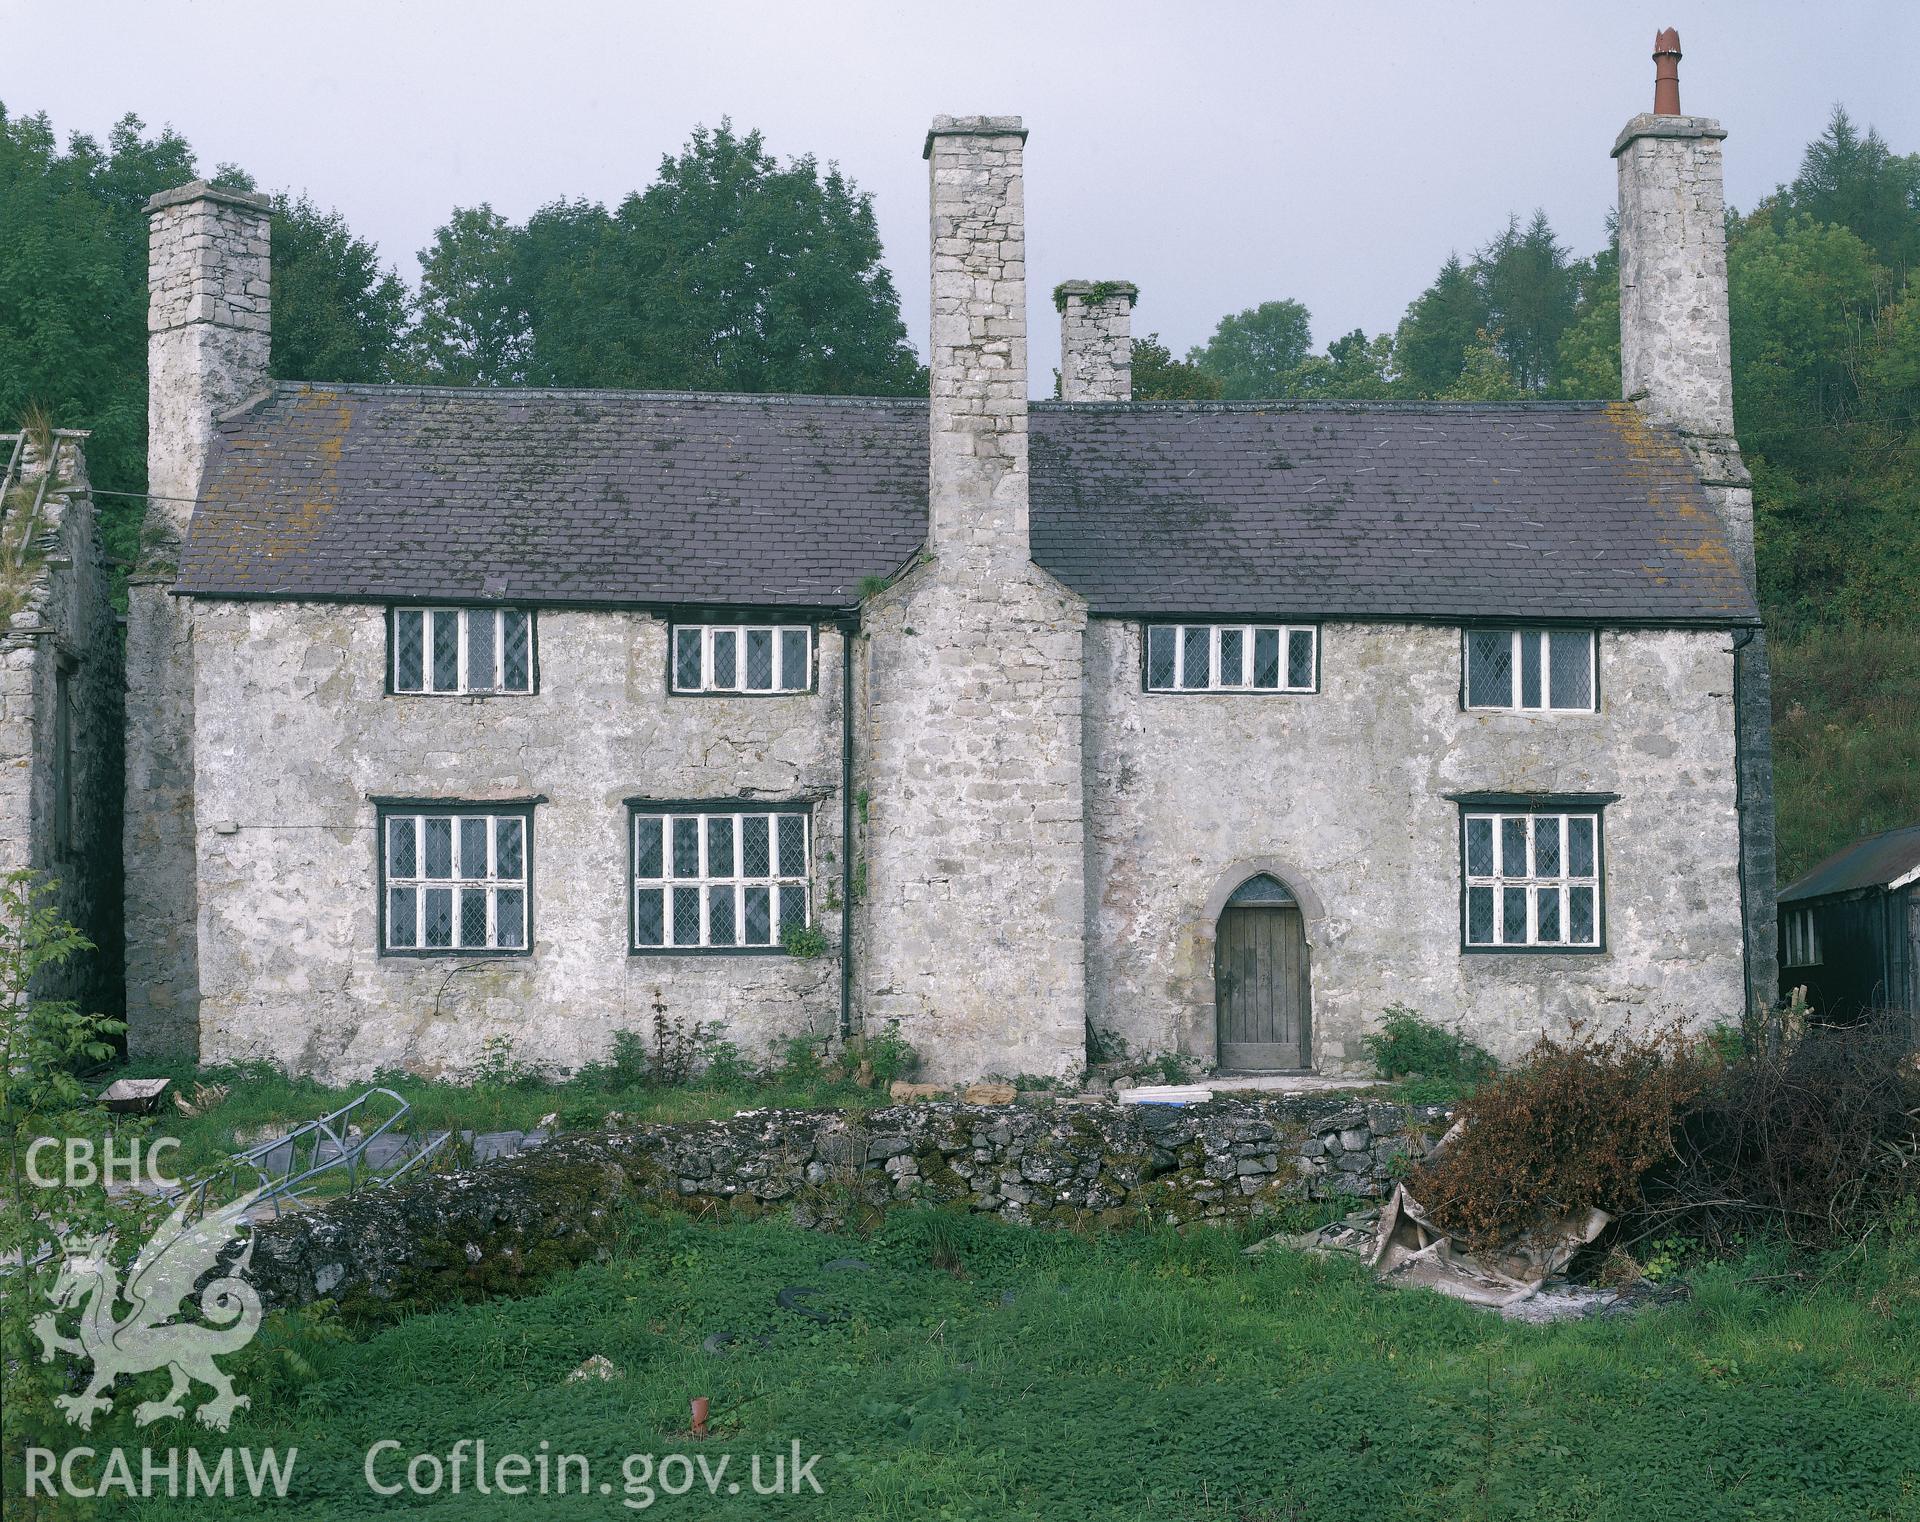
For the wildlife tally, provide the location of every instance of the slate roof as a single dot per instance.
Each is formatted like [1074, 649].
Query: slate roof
[1888, 859]
[1576, 511]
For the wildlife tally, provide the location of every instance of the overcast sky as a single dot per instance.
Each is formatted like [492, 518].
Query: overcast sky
[1217, 154]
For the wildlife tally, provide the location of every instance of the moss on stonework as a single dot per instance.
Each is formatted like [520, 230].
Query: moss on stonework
[936, 1170]
[1092, 292]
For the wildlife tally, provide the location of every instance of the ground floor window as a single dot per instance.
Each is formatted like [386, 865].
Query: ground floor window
[718, 877]
[1532, 879]
[455, 879]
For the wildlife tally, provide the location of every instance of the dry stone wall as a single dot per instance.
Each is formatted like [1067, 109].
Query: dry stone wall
[501, 1226]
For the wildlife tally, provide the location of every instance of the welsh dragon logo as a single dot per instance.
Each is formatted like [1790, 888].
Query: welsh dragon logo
[150, 1335]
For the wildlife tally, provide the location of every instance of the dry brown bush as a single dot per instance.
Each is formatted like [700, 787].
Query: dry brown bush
[1813, 1142]
[1578, 1123]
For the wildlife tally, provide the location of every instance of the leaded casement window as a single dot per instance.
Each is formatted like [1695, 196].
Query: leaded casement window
[1801, 940]
[1232, 658]
[1543, 670]
[454, 879]
[462, 650]
[742, 658]
[1531, 880]
[718, 877]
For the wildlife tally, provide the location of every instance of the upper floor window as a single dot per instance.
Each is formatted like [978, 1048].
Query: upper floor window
[462, 650]
[742, 657]
[1802, 940]
[717, 877]
[455, 878]
[1531, 879]
[1232, 658]
[1550, 670]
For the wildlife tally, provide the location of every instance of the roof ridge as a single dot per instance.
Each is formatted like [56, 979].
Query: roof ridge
[1323, 404]
[777, 398]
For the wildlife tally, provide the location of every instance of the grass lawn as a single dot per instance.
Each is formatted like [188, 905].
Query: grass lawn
[985, 1371]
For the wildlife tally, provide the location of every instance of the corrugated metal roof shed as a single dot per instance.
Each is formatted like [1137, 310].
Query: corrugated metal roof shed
[1889, 859]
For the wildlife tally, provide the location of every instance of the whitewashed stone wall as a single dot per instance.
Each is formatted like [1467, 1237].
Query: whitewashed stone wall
[1342, 794]
[972, 928]
[208, 314]
[60, 632]
[296, 732]
[1096, 340]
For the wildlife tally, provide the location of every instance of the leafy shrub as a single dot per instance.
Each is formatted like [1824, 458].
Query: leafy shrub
[890, 1054]
[501, 1066]
[1409, 1045]
[798, 1061]
[1578, 1123]
[805, 942]
[725, 1066]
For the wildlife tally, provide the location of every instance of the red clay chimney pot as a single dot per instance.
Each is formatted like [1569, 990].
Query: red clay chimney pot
[1666, 73]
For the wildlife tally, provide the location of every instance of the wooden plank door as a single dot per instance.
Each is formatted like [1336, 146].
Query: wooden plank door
[1260, 987]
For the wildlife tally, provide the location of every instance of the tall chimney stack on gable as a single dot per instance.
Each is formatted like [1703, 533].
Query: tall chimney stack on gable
[208, 337]
[1096, 339]
[209, 281]
[978, 363]
[1674, 349]
[1676, 363]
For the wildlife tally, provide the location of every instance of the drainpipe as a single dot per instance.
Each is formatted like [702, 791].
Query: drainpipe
[1743, 639]
[847, 631]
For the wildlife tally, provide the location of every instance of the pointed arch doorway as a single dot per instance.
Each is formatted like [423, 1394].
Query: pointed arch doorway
[1261, 989]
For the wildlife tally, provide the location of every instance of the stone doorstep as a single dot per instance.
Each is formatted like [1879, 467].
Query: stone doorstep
[1286, 1083]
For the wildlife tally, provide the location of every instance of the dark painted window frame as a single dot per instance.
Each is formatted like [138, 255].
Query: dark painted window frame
[702, 619]
[1535, 803]
[639, 806]
[385, 807]
[533, 647]
[1541, 626]
[1231, 621]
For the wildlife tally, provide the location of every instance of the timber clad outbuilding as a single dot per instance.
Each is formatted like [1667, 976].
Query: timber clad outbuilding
[1850, 930]
[1039, 728]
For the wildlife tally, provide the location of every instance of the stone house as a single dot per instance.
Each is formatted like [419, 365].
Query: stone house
[60, 704]
[1198, 728]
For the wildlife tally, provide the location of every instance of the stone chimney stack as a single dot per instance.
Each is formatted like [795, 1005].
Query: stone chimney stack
[208, 293]
[1096, 339]
[208, 280]
[1674, 352]
[978, 364]
[1676, 363]
[971, 928]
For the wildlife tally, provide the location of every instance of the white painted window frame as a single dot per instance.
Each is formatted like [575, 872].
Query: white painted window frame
[778, 822]
[1802, 939]
[1517, 638]
[1532, 884]
[1220, 680]
[784, 684]
[465, 878]
[429, 614]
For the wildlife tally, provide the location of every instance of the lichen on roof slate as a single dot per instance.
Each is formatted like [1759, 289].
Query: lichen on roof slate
[1359, 510]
